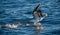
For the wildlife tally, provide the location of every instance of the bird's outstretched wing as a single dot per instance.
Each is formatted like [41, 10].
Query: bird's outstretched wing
[36, 8]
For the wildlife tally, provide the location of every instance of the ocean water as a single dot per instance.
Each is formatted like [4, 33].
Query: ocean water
[14, 11]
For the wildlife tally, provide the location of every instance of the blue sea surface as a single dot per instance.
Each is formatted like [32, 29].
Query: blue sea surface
[14, 11]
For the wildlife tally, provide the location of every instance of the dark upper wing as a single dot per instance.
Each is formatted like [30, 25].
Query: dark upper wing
[36, 8]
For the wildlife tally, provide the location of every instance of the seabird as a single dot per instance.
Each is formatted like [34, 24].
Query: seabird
[38, 12]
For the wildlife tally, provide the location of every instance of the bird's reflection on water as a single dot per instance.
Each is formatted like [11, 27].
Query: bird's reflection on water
[37, 28]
